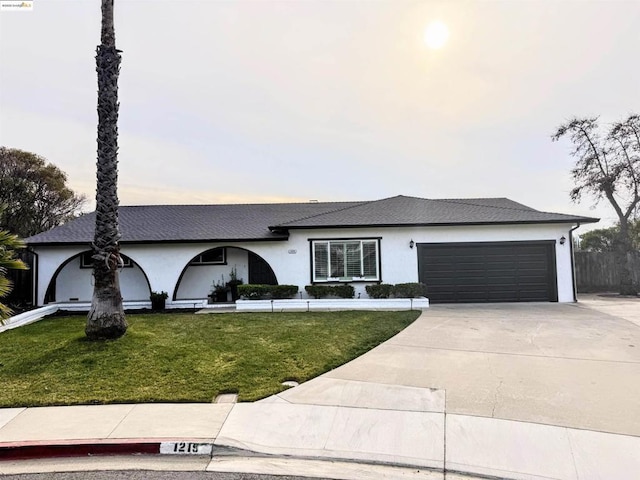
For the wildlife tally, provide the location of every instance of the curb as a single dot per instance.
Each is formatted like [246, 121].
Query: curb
[85, 448]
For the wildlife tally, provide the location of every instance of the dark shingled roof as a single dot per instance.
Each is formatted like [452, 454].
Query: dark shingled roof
[271, 221]
[401, 210]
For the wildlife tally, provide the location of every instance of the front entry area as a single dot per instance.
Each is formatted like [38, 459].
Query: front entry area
[488, 272]
[216, 267]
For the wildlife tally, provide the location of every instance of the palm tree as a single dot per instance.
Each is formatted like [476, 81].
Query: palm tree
[106, 318]
[9, 244]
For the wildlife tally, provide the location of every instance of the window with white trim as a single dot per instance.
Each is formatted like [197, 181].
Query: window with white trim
[345, 260]
[215, 256]
[86, 260]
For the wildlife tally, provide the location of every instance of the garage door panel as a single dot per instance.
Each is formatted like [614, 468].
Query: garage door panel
[532, 295]
[447, 297]
[472, 296]
[531, 265]
[499, 280]
[483, 281]
[441, 262]
[488, 272]
[505, 295]
[470, 267]
[533, 277]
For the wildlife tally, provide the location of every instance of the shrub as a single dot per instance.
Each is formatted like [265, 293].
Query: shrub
[253, 291]
[343, 291]
[382, 290]
[323, 291]
[283, 291]
[409, 290]
[257, 291]
[318, 291]
[158, 296]
[158, 300]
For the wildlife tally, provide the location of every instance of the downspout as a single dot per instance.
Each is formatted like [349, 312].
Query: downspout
[573, 263]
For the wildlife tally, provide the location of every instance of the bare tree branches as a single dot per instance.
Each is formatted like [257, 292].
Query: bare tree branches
[607, 165]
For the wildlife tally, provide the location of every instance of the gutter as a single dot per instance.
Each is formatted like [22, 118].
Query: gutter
[157, 242]
[580, 220]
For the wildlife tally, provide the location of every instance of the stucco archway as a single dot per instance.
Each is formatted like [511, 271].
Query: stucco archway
[73, 281]
[215, 265]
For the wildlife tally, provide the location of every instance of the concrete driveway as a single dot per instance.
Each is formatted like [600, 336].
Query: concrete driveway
[573, 365]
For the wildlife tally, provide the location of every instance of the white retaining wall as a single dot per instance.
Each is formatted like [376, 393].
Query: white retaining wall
[330, 304]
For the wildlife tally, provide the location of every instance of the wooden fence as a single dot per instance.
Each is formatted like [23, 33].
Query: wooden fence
[596, 271]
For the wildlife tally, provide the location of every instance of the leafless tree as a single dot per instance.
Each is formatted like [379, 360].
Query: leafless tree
[607, 165]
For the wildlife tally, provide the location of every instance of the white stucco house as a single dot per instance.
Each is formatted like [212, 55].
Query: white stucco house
[464, 250]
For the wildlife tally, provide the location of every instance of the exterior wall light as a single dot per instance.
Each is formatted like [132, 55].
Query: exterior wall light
[562, 240]
[411, 244]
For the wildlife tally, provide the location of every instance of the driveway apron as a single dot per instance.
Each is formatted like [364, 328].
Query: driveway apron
[573, 365]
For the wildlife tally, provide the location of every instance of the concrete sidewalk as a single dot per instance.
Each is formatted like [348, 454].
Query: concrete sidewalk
[381, 409]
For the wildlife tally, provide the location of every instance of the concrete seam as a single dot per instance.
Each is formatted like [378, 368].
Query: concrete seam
[444, 439]
[326, 376]
[121, 420]
[222, 425]
[495, 398]
[516, 354]
[24, 409]
[359, 407]
[573, 457]
[284, 399]
[333, 423]
[551, 425]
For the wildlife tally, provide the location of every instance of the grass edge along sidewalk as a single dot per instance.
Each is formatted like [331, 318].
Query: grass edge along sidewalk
[183, 357]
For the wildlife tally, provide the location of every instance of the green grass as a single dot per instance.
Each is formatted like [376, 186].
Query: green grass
[183, 357]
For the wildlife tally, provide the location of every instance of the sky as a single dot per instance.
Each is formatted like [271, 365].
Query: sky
[278, 101]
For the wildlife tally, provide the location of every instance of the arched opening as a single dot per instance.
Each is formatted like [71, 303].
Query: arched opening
[218, 266]
[73, 281]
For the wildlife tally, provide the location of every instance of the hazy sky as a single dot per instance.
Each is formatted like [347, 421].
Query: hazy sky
[260, 101]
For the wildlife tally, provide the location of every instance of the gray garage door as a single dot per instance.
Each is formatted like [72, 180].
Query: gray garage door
[488, 272]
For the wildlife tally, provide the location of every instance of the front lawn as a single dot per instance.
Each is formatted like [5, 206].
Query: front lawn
[183, 357]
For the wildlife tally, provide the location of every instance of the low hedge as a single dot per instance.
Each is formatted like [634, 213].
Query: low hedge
[256, 291]
[318, 291]
[409, 290]
[382, 290]
[283, 291]
[323, 291]
[401, 290]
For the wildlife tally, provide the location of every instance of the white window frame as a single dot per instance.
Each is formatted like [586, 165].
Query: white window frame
[197, 260]
[344, 241]
[87, 262]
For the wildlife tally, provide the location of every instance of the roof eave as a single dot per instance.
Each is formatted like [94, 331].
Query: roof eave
[154, 242]
[572, 221]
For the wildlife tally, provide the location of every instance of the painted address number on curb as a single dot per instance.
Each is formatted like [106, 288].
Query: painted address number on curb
[185, 448]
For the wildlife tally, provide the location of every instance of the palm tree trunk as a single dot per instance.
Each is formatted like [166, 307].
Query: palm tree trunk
[106, 318]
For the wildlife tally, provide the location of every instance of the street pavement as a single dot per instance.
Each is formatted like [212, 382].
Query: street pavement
[518, 391]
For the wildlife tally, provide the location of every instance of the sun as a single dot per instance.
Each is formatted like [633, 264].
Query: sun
[436, 35]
